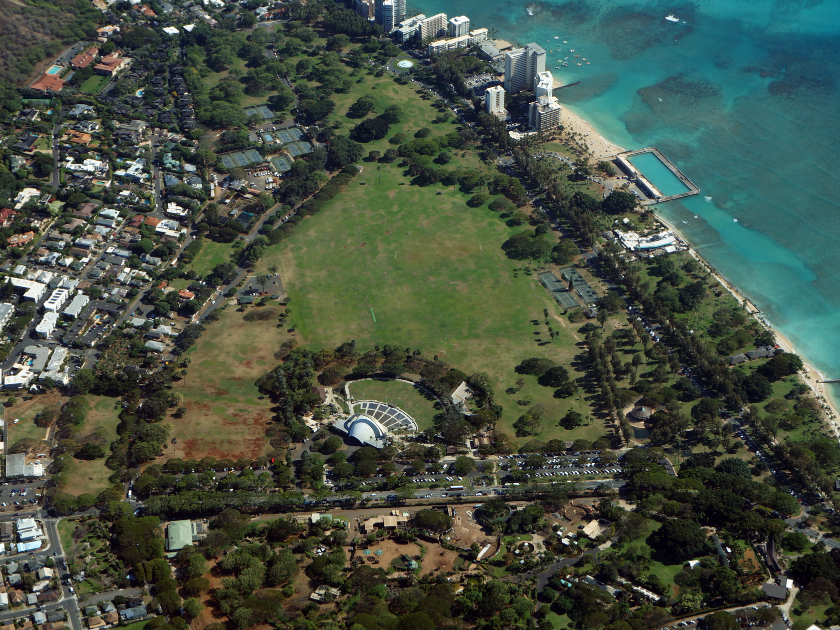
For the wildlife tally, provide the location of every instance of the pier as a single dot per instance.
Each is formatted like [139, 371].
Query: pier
[568, 85]
[654, 196]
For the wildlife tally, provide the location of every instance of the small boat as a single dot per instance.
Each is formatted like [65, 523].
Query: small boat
[576, 56]
[584, 59]
[579, 63]
[556, 67]
[659, 99]
[565, 64]
[555, 37]
[672, 18]
[565, 42]
[565, 57]
[571, 50]
[587, 63]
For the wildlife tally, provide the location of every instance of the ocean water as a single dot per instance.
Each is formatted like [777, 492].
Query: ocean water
[744, 97]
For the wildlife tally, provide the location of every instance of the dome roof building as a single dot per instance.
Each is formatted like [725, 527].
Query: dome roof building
[364, 429]
[642, 413]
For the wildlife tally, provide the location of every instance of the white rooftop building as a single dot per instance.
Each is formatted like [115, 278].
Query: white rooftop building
[56, 300]
[32, 291]
[459, 26]
[76, 306]
[46, 326]
[26, 195]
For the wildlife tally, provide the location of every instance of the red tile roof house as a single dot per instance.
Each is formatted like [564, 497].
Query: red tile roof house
[7, 217]
[48, 83]
[21, 239]
[83, 60]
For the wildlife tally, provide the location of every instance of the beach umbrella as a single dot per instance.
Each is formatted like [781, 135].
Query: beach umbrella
[366, 552]
[378, 552]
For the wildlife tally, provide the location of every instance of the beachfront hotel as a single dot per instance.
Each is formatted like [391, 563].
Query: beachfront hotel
[522, 65]
[494, 100]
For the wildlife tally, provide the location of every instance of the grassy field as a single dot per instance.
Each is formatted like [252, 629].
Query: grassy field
[25, 411]
[93, 84]
[417, 267]
[226, 415]
[65, 532]
[403, 395]
[211, 254]
[92, 476]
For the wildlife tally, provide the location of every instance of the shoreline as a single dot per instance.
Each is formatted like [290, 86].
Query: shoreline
[810, 375]
[600, 148]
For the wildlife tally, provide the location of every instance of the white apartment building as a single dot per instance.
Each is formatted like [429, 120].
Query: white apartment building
[543, 85]
[494, 100]
[459, 26]
[56, 300]
[465, 41]
[522, 65]
[47, 325]
[433, 26]
[6, 312]
[408, 28]
[544, 113]
[389, 13]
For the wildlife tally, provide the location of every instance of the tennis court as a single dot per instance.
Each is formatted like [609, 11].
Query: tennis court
[240, 158]
[261, 110]
[281, 163]
[298, 148]
[559, 291]
[284, 136]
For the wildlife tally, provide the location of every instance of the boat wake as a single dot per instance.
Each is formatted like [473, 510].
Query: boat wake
[708, 198]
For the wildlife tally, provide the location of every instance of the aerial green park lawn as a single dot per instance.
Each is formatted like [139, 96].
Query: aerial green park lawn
[388, 262]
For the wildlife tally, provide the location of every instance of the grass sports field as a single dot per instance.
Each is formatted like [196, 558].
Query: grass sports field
[226, 416]
[400, 394]
[393, 263]
[211, 255]
[92, 476]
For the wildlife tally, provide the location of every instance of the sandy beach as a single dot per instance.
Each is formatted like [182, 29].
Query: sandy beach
[599, 147]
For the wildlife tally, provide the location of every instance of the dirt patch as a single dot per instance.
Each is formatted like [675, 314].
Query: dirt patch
[244, 436]
[574, 513]
[438, 560]
[210, 613]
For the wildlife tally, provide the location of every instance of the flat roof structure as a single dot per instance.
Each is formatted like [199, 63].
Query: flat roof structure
[14, 464]
[179, 534]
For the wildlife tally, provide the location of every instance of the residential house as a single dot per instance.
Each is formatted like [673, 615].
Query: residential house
[48, 83]
[108, 65]
[83, 60]
[17, 240]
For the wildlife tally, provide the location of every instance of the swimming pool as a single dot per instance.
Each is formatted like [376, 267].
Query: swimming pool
[658, 174]
[139, 92]
[54, 69]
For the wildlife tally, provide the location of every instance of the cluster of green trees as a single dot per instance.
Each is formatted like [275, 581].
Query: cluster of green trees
[708, 497]
[247, 570]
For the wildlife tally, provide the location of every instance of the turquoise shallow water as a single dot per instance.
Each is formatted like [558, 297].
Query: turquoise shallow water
[743, 96]
[658, 174]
